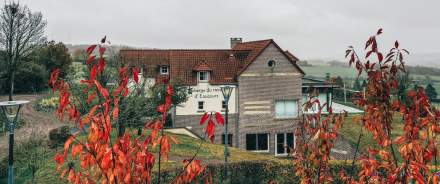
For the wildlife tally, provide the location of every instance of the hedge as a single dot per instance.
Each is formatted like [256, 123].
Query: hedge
[258, 172]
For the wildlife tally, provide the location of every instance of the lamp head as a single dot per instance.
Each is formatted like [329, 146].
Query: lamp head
[226, 91]
[11, 108]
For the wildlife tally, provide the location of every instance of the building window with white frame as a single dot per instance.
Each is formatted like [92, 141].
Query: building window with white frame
[284, 142]
[286, 109]
[200, 105]
[203, 76]
[164, 70]
[257, 142]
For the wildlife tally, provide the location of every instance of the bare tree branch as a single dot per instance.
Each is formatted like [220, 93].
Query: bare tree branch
[21, 31]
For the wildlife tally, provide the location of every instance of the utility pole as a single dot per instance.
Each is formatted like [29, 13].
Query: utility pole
[345, 94]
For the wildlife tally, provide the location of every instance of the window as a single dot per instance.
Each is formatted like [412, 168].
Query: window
[271, 64]
[229, 139]
[224, 105]
[203, 76]
[286, 109]
[164, 70]
[200, 105]
[284, 143]
[257, 142]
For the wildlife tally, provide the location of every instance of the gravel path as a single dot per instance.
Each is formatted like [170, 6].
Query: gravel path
[36, 122]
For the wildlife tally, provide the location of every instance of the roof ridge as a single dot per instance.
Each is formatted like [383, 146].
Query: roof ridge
[183, 50]
[265, 40]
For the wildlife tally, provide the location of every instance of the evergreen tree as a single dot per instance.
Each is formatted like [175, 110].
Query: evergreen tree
[430, 91]
[403, 81]
[364, 84]
[339, 81]
[339, 93]
[357, 85]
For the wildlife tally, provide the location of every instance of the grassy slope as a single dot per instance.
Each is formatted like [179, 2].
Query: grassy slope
[185, 149]
[351, 131]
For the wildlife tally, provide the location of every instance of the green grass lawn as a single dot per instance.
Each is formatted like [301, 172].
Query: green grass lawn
[351, 130]
[349, 74]
[185, 149]
[321, 70]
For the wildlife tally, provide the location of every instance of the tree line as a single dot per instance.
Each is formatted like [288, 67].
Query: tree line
[26, 57]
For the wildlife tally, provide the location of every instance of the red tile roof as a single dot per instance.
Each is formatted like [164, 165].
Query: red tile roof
[202, 67]
[225, 65]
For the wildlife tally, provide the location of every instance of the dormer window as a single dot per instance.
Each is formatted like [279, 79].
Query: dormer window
[164, 70]
[203, 76]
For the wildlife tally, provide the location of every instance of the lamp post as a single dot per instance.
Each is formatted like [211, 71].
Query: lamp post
[226, 91]
[8, 108]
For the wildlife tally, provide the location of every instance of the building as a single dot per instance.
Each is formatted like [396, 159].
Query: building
[265, 106]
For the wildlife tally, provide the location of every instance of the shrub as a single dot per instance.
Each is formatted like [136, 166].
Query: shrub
[261, 172]
[58, 136]
[47, 104]
[4, 167]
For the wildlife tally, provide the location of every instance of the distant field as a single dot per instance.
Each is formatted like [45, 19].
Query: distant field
[350, 73]
[321, 70]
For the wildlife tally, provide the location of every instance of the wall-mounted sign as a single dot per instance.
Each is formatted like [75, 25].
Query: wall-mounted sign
[208, 92]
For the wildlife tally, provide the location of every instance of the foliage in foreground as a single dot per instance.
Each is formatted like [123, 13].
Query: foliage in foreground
[406, 159]
[129, 158]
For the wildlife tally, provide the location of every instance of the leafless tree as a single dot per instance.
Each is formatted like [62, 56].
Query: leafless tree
[21, 31]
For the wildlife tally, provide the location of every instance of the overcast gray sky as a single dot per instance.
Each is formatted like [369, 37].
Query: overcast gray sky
[309, 28]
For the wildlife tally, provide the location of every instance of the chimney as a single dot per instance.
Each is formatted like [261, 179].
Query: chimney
[234, 41]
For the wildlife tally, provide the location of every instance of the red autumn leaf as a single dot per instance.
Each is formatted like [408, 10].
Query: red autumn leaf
[101, 90]
[399, 140]
[379, 31]
[77, 149]
[379, 56]
[122, 71]
[135, 74]
[90, 60]
[68, 143]
[101, 51]
[170, 90]
[71, 176]
[219, 118]
[116, 109]
[59, 159]
[91, 98]
[165, 147]
[127, 178]
[54, 77]
[373, 44]
[210, 130]
[125, 92]
[368, 53]
[103, 39]
[101, 65]
[90, 49]
[162, 108]
[64, 173]
[368, 43]
[347, 52]
[168, 101]
[204, 118]
[93, 72]
[105, 162]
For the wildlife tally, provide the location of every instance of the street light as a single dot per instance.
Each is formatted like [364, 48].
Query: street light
[8, 108]
[226, 91]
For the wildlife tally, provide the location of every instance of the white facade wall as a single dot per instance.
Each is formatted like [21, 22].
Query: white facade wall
[212, 97]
